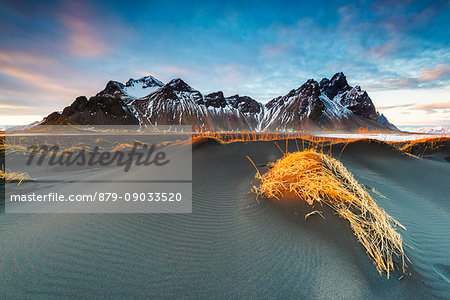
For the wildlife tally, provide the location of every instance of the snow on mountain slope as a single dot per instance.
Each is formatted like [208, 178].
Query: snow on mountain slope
[142, 87]
[300, 109]
[333, 108]
[133, 88]
[330, 104]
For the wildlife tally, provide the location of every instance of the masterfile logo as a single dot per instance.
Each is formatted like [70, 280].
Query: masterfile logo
[140, 154]
[87, 169]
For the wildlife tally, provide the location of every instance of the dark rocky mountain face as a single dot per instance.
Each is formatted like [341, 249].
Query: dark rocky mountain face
[310, 104]
[353, 98]
[175, 90]
[337, 83]
[112, 88]
[359, 103]
[330, 104]
[98, 110]
[214, 100]
[244, 104]
[176, 103]
[383, 120]
[296, 109]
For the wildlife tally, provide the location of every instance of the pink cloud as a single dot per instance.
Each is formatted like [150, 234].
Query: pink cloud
[9, 57]
[429, 75]
[11, 106]
[432, 106]
[83, 39]
[383, 50]
[36, 79]
[435, 73]
[33, 70]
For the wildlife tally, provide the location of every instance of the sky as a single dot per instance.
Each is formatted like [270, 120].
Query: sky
[399, 51]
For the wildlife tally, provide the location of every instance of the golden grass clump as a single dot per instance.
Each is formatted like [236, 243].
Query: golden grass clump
[18, 177]
[318, 178]
[422, 146]
[2, 141]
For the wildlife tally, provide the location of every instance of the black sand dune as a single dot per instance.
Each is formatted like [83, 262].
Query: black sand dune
[437, 149]
[233, 246]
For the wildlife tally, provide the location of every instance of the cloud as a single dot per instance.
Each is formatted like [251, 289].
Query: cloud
[9, 57]
[239, 47]
[400, 16]
[83, 40]
[398, 82]
[394, 106]
[38, 83]
[432, 75]
[275, 50]
[36, 79]
[384, 50]
[435, 73]
[429, 108]
[432, 107]
[11, 106]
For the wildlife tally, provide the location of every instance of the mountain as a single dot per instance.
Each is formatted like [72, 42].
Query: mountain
[134, 88]
[331, 104]
[383, 120]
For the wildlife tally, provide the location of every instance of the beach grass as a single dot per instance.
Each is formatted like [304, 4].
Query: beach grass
[317, 178]
[422, 146]
[9, 176]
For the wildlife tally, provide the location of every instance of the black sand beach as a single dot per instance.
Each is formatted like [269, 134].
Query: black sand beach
[234, 246]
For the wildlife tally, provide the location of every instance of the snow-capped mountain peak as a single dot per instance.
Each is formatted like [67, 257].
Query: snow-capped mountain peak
[145, 82]
[138, 88]
[179, 85]
[134, 88]
[330, 104]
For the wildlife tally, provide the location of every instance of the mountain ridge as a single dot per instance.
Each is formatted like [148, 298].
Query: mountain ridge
[331, 104]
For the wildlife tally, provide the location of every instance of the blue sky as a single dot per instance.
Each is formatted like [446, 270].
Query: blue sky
[53, 51]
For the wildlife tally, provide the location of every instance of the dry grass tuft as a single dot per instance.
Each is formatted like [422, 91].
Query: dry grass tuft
[423, 146]
[318, 178]
[2, 141]
[314, 213]
[18, 177]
